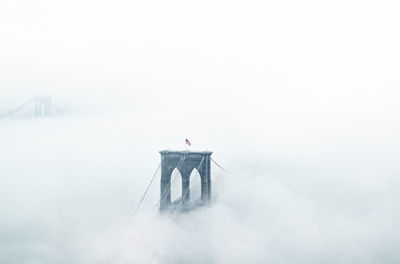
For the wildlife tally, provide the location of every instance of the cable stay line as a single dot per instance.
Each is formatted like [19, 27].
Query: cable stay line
[18, 108]
[172, 215]
[131, 218]
[133, 249]
[58, 108]
[176, 209]
[162, 199]
[219, 166]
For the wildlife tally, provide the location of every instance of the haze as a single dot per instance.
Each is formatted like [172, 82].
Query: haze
[297, 100]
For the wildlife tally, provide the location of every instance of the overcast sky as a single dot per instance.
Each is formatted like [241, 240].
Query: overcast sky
[299, 100]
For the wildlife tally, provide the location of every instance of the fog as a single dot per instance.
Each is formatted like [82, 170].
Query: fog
[297, 101]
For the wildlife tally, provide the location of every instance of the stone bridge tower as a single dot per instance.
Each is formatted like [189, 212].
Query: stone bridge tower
[185, 162]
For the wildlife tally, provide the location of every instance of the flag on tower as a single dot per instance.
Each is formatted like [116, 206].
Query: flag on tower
[188, 142]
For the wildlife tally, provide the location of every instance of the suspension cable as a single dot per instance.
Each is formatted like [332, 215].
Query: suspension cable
[131, 218]
[176, 208]
[131, 250]
[18, 108]
[219, 166]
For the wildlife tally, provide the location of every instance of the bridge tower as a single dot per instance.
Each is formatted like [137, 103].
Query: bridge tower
[47, 106]
[42, 106]
[185, 162]
[38, 106]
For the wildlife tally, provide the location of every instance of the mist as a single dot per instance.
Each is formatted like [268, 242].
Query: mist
[297, 101]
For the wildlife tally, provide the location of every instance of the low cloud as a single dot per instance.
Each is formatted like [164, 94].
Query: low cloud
[70, 184]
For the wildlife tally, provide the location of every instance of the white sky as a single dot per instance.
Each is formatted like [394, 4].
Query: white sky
[230, 50]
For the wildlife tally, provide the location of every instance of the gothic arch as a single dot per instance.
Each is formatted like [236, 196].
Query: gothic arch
[185, 162]
[195, 185]
[176, 189]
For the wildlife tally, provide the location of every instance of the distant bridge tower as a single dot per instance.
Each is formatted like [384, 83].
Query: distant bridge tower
[43, 106]
[185, 162]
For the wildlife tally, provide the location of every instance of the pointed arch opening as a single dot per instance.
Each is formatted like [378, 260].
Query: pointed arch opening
[195, 185]
[176, 183]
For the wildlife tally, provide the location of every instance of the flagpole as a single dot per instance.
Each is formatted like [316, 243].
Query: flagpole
[187, 145]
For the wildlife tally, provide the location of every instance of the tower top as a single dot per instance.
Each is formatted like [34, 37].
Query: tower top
[185, 152]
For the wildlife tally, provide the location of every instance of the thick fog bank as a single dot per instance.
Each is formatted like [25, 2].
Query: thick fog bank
[69, 185]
